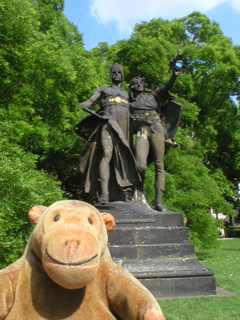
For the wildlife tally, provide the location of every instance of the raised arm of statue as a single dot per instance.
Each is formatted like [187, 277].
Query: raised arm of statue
[168, 86]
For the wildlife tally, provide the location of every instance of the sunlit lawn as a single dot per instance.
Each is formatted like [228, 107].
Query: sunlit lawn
[225, 262]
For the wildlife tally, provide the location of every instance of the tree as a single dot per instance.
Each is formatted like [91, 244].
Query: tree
[202, 171]
[44, 68]
[21, 187]
[44, 78]
[215, 74]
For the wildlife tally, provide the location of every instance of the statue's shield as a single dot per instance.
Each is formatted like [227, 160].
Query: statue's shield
[171, 115]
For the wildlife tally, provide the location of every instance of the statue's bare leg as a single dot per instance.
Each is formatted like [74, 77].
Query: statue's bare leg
[157, 141]
[104, 167]
[142, 150]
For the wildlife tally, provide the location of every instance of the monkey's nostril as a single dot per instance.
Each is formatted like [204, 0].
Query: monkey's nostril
[66, 243]
[78, 243]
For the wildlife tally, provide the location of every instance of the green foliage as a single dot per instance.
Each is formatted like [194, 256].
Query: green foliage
[49, 11]
[43, 80]
[21, 187]
[214, 70]
[44, 68]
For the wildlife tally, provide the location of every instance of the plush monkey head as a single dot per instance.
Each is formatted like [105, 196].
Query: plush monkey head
[70, 238]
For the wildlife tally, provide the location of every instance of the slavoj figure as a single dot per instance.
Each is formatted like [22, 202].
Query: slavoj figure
[149, 112]
[107, 164]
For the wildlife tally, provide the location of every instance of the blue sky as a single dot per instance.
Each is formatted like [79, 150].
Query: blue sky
[113, 20]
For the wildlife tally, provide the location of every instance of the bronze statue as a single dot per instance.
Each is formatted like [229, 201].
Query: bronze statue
[108, 165]
[151, 134]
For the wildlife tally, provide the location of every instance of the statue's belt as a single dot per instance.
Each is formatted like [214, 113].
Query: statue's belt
[118, 100]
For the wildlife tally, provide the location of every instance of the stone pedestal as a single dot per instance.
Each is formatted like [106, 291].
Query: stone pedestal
[155, 248]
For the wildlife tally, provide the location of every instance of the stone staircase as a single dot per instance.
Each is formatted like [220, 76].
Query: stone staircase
[155, 248]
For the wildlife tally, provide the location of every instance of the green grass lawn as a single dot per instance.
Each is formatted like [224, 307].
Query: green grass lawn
[225, 262]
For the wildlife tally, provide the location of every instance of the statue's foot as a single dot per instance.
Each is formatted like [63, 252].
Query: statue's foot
[160, 207]
[103, 198]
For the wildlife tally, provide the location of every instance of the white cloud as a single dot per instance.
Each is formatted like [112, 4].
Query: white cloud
[235, 4]
[126, 13]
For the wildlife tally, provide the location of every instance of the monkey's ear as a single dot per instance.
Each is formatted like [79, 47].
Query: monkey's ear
[35, 213]
[109, 222]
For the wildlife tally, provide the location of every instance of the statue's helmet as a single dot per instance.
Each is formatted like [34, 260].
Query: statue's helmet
[114, 67]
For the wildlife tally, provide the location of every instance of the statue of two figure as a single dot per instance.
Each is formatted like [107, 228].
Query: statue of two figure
[111, 167]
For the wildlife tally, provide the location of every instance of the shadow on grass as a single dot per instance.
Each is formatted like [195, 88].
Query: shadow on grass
[233, 249]
[203, 255]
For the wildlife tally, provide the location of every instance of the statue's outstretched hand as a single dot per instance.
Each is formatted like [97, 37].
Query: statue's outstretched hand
[178, 65]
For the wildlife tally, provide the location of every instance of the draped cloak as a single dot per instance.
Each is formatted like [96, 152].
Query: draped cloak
[124, 176]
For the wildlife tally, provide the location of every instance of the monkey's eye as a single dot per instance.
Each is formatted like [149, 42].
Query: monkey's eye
[90, 221]
[57, 217]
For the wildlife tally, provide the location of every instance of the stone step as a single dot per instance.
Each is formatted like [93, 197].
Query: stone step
[148, 235]
[165, 267]
[180, 287]
[137, 212]
[168, 219]
[126, 221]
[151, 251]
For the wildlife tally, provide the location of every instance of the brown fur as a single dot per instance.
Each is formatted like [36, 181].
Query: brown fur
[66, 271]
